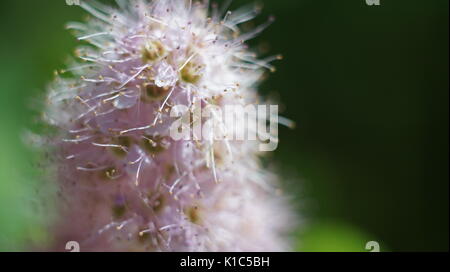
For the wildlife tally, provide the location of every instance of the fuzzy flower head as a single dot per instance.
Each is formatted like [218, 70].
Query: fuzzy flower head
[126, 184]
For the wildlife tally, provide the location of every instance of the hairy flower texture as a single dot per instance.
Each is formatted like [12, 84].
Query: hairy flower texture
[124, 183]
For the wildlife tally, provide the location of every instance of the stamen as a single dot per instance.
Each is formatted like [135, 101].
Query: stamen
[187, 61]
[168, 227]
[93, 35]
[77, 140]
[135, 75]
[138, 171]
[111, 145]
[176, 183]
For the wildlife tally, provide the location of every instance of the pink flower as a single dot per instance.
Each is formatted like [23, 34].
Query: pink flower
[124, 183]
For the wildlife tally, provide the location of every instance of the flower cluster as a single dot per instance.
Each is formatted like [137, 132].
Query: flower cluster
[124, 183]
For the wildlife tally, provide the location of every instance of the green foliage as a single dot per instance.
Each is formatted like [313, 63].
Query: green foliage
[330, 236]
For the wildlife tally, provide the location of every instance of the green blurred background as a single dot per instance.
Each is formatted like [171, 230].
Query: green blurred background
[367, 86]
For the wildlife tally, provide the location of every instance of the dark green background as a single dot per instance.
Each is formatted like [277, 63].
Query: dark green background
[367, 86]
